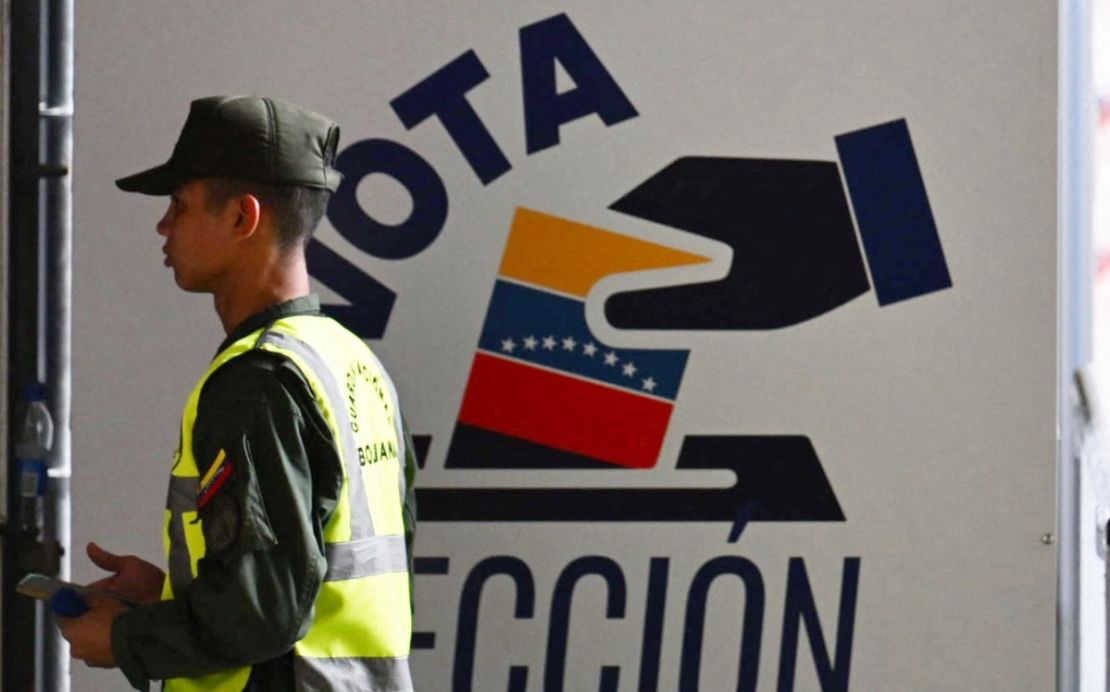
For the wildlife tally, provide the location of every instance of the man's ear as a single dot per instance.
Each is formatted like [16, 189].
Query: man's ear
[249, 216]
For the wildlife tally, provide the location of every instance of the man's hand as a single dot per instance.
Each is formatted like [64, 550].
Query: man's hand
[134, 579]
[90, 636]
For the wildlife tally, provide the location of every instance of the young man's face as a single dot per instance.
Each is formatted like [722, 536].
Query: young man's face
[199, 241]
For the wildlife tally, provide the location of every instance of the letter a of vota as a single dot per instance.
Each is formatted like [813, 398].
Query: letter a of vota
[595, 91]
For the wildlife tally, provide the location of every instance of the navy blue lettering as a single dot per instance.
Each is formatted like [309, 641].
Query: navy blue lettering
[556, 662]
[371, 303]
[610, 679]
[518, 679]
[545, 110]
[800, 607]
[752, 635]
[443, 95]
[429, 566]
[652, 643]
[429, 199]
[462, 676]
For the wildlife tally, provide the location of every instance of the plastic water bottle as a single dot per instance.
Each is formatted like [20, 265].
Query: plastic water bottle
[32, 447]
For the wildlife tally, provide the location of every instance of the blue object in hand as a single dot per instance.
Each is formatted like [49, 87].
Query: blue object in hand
[68, 603]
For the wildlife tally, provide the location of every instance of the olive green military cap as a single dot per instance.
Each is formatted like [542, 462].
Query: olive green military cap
[247, 137]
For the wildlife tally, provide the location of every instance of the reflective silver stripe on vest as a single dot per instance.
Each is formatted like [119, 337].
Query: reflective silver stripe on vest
[366, 557]
[353, 674]
[181, 498]
[362, 525]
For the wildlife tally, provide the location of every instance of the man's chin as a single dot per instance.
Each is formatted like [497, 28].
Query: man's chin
[187, 285]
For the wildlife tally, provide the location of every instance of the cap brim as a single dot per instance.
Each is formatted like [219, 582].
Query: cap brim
[160, 180]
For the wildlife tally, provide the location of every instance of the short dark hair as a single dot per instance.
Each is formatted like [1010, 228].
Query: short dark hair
[297, 210]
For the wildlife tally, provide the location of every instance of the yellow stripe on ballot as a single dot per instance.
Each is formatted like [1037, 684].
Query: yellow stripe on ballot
[571, 257]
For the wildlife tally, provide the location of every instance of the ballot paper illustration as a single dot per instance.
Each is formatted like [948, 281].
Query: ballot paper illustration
[544, 392]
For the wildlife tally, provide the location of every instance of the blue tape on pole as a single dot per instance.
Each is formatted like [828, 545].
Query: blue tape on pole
[892, 209]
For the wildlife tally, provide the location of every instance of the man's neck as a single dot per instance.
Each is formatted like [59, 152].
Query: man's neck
[248, 293]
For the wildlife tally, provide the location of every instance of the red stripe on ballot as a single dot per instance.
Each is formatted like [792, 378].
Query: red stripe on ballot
[598, 421]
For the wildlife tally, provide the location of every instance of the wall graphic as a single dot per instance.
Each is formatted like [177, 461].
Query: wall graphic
[544, 392]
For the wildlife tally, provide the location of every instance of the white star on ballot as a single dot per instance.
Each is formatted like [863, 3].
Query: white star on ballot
[549, 343]
[569, 343]
[589, 349]
[611, 358]
[649, 385]
[530, 343]
[507, 345]
[629, 369]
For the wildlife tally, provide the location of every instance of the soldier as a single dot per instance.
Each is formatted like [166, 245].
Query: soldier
[289, 551]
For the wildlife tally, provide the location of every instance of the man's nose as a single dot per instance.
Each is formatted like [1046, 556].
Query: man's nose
[163, 226]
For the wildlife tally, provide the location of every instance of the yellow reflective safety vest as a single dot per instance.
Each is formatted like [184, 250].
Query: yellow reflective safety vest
[362, 619]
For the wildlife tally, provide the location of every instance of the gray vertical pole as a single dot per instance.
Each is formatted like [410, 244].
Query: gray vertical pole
[1075, 120]
[5, 66]
[5, 83]
[57, 188]
[25, 309]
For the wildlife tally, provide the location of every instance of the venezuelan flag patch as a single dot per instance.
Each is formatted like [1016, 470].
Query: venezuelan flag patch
[217, 476]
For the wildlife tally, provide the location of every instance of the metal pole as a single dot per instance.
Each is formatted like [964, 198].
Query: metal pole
[25, 310]
[57, 124]
[5, 84]
[1075, 120]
